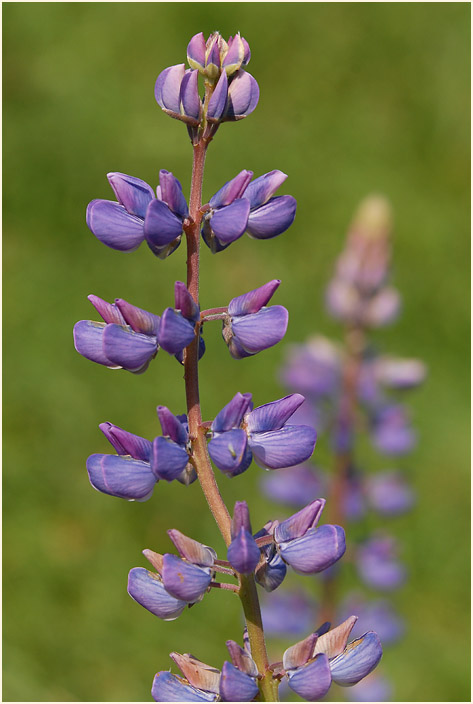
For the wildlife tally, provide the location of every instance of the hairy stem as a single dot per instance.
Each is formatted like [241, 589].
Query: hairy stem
[247, 585]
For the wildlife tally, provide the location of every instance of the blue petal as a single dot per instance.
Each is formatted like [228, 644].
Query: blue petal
[299, 523]
[273, 218]
[229, 223]
[161, 226]
[168, 86]
[175, 332]
[190, 102]
[131, 192]
[184, 303]
[312, 681]
[168, 459]
[243, 96]
[287, 447]
[169, 688]
[272, 573]
[261, 189]
[243, 552]
[358, 659]
[108, 311]
[230, 453]
[170, 191]
[318, 549]
[261, 330]
[172, 425]
[236, 686]
[147, 589]
[273, 415]
[126, 443]
[114, 226]
[131, 350]
[184, 580]
[137, 318]
[88, 341]
[196, 51]
[253, 301]
[231, 190]
[123, 477]
[232, 414]
[218, 100]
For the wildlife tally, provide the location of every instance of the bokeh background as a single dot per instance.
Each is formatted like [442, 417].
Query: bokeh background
[355, 98]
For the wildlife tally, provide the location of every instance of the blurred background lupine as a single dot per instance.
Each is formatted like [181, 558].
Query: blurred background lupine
[379, 97]
[355, 392]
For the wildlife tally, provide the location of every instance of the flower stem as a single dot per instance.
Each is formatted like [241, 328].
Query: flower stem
[247, 585]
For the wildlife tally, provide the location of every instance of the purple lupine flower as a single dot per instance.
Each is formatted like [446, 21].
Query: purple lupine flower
[211, 56]
[147, 589]
[128, 474]
[324, 656]
[392, 433]
[287, 613]
[238, 679]
[186, 306]
[127, 339]
[251, 326]
[294, 485]
[169, 456]
[171, 688]
[304, 546]
[139, 215]
[187, 577]
[378, 564]
[239, 433]
[243, 552]
[177, 93]
[199, 675]
[378, 614]
[389, 494]
[177, 327]
[241, 206]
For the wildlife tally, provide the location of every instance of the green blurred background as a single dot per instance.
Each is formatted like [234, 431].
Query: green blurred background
[354, 98]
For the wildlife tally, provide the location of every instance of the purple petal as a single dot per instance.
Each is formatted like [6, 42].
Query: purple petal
[123, 477]
[168, 459]
[196, 51]
[273, 415]
[358, 660]
[197, 673]
[297, 655]
[232, 414]
[184, 580]
[137, 318]
[392, 433]
[271, 574]
[316, 550]
[236, 686]
[243, 552]
[241, 658]
[170, 191]
[273, 218]
[184, 302]
[389, 494]
[108, 311]
[229, 223]
[287, 447]
[312, 681]
[88, 341]
[175, 332]
[172, 426]
[231, 190]
[169, 688]
[168, 86]
[261, 330]
[114, 226]
[218, 100]
[190, 102]
[192, 550]
[126, 443]
[234, 56]
[230, 453]
[378, 565]
[133, 193]
[131, 350]
[148, 590]
[241, 518]
[243, 96]
[297, 525]
[264, 187]
[161, 225]
[253, 301]
[334, 641]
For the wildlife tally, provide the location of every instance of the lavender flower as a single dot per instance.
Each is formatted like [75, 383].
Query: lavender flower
[251, 326]
[243, 552]
[238, 434]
